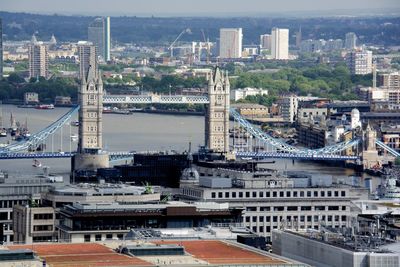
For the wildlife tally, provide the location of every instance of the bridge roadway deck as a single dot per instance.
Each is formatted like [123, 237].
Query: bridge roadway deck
[124, 155]
[153, 99]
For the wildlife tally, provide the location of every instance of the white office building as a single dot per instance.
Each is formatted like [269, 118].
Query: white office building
[280, 43]
[359, 62]
[350, 42]
[230, 45]
[244, 92]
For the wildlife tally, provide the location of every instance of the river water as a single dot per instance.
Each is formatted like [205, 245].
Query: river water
[139, 132]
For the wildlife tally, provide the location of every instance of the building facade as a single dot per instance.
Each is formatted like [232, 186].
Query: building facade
[265, 41]
[230, 42]
[271, 201]
[350, 42]
[359, 62]
[389, 80]
[280, 43]
[99, 35]
[1, 48]
[38, 61]
[248, 91]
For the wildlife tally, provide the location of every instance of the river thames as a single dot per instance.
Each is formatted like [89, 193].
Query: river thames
[139, 132]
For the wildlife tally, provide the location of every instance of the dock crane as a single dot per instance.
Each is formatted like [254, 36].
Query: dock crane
[171, 47]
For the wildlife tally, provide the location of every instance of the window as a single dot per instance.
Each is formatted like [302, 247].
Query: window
[302, 218]
[308, 193]
[288, 194]
[322, 193]
[344, 218]
[301, 193]
[254, 194]
[251, 209]
[254, 219]
[43, 216]
[275, 218]
[98, 237]
[336, 218]
[294, 193]
[268, 229]
[309, 218]
[219, 194]
[109, 236]
[329, 218]
[336, 193]
[319, 207]
[265, 208]
[233, 194]
[267, 194]
[315, 193]
[267, 218]
[247, 218]
[261, 194]
[343, 193]
[292, 208]
[278, 208]
[329, 193]
[120, 236]
[247, 194]
[281, 194]
[315, 218]
[305, 207]
[261, 218]
[86, 238]
[213, 194]
[226, 194]
[240, 194]
[343, 207]
[333, 207]
[274, 194]
[39, 228]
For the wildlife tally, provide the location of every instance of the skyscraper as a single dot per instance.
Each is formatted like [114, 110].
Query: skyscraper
[99, 35]
[265, 41]
[280, 43]
[1, 49]
[230, 42]
[38, 61]
[351, 41]
[299, 38]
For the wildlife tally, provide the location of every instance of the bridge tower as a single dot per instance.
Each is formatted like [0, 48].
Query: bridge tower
[90, 156]
[370, 155]
[217, 114]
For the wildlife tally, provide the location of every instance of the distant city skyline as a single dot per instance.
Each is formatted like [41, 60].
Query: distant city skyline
[188, 8]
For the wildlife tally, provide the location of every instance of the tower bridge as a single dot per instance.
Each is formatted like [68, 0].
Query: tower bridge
[90, 154]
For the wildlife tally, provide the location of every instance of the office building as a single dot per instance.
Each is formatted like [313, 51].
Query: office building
[38, 61]
[298, 38]
[230, 43]
[332, 248]
[99, 35]
[350, 42]
[265, 41]
[242, 93]
[280, 43]
[359, 62]
[272, 200]
[1, 48]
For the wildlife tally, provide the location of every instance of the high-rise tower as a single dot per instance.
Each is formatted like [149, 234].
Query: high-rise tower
[99, 35]
[280, 43]
[230, 43]
[217, 116]
[1, 49]
[38, 61]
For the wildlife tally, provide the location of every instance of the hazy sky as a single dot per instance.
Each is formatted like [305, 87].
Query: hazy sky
[189, 7]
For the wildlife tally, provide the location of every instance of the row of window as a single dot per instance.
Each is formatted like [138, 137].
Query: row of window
[39, 228]
[11, 203]
[43, 216]
[97, 237]
[301, 218]
[296, 208]
[262, 194]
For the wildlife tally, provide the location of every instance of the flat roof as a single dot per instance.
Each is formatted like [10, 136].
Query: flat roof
[203, 252]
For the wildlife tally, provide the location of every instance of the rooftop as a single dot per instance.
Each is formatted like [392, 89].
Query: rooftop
[198, 253]
[99, 189]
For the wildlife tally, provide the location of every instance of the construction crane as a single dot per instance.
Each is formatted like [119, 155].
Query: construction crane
[171, 47]
[207, 43]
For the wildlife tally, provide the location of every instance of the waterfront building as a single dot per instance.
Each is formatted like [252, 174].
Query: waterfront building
[99, 35]
[350, 42]
[31, 98]
[271, 200]
[230, 42]
[242, 93]
[38, 61]
[265, 41]
[359, 62]
[280, 43]
[251, 110]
